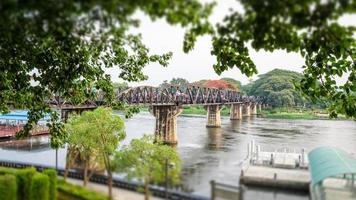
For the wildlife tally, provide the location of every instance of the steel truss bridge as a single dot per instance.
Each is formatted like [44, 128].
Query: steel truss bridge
[147, 95]
[165, 104]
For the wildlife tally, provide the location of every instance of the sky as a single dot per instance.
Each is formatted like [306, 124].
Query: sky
[161, 37]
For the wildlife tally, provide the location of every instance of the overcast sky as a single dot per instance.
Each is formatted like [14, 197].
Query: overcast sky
[161, 38]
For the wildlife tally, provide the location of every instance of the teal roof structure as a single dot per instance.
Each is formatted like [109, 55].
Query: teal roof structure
[327, 162]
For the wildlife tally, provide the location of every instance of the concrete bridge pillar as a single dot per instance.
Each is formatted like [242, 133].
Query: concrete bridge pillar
[235, 111]
[246, 109]
[213, 115]
[254, 109]
[166, 122]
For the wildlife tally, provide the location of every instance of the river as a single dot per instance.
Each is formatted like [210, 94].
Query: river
[215, 153]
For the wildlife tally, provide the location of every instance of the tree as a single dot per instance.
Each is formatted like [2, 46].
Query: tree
[82, 139]
[57, 131]
[219, 84]
[147, 161]
[278, 87]
[175, 82]
[98, 134]
[180, 82]
[309, 27]
[63, 47]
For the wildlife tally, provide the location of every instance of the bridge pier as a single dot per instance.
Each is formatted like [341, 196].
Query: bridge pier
[235, 111]
[213, 115]
[246, 109]
[166, 122]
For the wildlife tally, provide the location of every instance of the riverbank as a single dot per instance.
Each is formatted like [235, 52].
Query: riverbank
[271, 113]
[296, 113]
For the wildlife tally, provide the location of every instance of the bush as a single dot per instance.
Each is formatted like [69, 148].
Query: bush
[52, 174]
[78, 192]
[24, 181]
[40, 187]
[5, 170]
[8, 187]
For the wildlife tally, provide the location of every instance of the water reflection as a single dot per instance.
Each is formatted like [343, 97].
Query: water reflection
[236, 125]
[33, 144]
[214, 141]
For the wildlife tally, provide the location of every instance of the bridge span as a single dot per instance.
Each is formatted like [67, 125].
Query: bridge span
[167, 103]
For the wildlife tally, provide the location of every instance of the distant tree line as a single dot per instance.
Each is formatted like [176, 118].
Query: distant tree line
[224, 83]
[278, 86]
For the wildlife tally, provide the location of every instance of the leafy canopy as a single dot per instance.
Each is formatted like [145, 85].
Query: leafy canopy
[309, 27]
[145, 160]
[278, 87]
[63, 47]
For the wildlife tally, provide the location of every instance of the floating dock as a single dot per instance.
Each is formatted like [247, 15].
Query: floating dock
[297, 179]
[282, 168]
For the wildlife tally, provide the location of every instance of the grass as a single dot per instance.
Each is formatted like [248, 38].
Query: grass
[296, 113]
[69, 191]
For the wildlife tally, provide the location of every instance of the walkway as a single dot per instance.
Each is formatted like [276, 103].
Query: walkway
[119, 194]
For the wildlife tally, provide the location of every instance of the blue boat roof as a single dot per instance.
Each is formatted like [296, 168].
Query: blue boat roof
[19, 115]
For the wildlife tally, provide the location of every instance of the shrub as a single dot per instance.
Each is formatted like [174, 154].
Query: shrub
[24, 181]
[40, 187]
[52, 174]
[5, 170]
[8, 187]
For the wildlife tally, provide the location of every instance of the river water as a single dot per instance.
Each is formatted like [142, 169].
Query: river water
[215, 153]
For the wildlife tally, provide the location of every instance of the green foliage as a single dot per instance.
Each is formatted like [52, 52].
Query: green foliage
[175, 82]
[278, 87]
[146, 161]
[90, 128]
[52, 174]
[24, 182]
[78, 192]
[56, 129]
[97, 130]
[40, 187]
[8, 187]
[5, 170]
[295, 113]
[82, 137]
[96, 134]
[63, 48]
[307, 26]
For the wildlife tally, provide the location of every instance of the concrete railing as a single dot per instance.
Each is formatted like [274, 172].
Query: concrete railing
[156, 191]
[224, 191]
